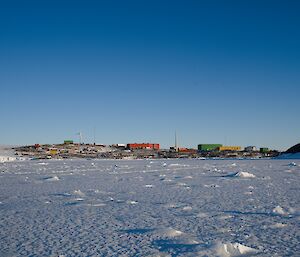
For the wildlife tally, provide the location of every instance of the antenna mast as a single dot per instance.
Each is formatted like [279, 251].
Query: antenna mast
[176, 143]
[94, 136]
[80, 138]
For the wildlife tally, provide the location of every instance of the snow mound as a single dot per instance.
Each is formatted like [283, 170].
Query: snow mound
[132, 202]
[78, 199]
[201, 215]
[98, 204]
[43, 163]
[170, 232]
[279, 210]
[292, 164]
[240, 174]
[78, 192]
[278, 225]
[55, 178]
[177, 165]
[233, 249]
[187, 208]
[212, 185]
[244, 174]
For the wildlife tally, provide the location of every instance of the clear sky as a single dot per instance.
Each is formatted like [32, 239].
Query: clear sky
[135, 71]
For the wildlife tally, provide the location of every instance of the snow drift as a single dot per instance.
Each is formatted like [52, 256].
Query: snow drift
[233, 249]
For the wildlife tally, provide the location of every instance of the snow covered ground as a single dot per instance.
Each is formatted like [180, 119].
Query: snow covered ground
[7, 154]
[150, 208]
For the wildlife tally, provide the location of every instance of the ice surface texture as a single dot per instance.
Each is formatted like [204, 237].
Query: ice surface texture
[150, 208]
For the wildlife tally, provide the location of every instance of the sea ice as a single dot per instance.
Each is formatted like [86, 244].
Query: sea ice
[76, 215]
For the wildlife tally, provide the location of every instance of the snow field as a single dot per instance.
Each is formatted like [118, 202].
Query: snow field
[150, 208]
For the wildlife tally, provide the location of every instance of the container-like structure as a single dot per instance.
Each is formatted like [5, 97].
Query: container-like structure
[229, 148]
[133, 146]
[264, 149]
[68, 142]
[208, 147]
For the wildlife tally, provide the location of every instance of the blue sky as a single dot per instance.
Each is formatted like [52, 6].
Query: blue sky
[216, 71]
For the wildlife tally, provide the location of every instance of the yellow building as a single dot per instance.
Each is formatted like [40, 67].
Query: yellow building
[229, 148]
[53, 151]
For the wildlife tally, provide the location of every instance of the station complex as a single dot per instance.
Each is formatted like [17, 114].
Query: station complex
[69, 149]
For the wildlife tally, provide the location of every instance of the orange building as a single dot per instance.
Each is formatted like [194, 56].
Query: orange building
[143, 146]
[187, 150]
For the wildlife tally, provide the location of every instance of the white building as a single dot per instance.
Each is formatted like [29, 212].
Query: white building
[250, 149]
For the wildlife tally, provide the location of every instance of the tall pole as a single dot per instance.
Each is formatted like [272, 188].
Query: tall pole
[80, 138]
[94, 135]
[176, 145]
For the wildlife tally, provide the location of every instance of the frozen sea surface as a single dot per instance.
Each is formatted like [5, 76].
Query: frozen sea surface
[150, 208]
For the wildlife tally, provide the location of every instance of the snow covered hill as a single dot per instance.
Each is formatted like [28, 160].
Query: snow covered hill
[289, 156]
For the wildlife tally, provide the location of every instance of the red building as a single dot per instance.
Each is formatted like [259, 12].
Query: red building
[36, 146]
[143, 146]
[187, 150]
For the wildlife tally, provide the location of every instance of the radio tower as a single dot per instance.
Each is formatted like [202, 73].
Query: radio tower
[176, 143]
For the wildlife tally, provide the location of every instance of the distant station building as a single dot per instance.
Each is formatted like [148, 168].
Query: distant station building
[217, 147]
[133, 146]
[37, 146]
[229, 148]
[250, 149]
[68, 142]
[187, 150]
[264, 149]
[208, 147]
[53, 151]
[119, 146]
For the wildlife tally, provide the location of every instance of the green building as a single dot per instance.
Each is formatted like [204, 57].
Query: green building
[208, 147]
[68, 142]
[264, 149]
